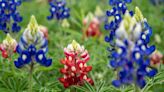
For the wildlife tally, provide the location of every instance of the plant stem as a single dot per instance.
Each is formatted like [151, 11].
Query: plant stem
[12, 65]
[30, 76]
[136, 88]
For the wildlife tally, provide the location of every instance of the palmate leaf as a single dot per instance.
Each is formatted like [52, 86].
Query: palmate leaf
[86, 88]
[90, 87]
[99, 87]
[42, 83]
[157, 80]
[50, 87]
[13, 84]
[80, 88]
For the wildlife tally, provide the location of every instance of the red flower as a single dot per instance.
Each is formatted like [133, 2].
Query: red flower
[75, 68]
[156, 59]
[8, 47]
[49, 0]
[4, 52]
[44, 30]
[92, 27]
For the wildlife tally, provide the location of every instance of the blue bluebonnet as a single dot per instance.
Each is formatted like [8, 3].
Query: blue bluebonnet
[115, 2]
[9, 16]
[33, 46]
[58, 10]
[130, 54]
[114, 17]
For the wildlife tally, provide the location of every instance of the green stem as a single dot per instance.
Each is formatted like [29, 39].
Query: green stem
[13, 68]
[30, 77]
[136, 88]
[123, 88]
[12, 65]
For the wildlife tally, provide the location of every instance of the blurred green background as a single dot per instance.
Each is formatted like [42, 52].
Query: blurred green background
[46, 79]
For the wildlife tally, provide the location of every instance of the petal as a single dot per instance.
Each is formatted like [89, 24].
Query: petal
[17, 64]
[150, 50]
[4, 54]
[18, 49]
[32, 49]
[113, 63]
[64, 71]
[40, 57]
[48, 62]
[141, 83]
[26, 57]
[62, 80]
[152, 73]
[116, 83]
[88, 68]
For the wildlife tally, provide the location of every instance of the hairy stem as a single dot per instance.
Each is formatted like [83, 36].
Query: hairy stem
[136, 88]
[30, 76]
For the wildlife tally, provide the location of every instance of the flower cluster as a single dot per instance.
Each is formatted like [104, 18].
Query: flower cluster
[32, 46]
[114, 17]
[156, 59]
[131, 54]
[8, 46]
[9, 16]
[58, 10]
[92, 26]
[44, 30]
[75, 68]
[115, 2]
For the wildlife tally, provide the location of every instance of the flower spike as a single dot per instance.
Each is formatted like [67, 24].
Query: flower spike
[75, 68]
[91, 26]
[33, 25]
[58, 10]
[8, 46]
[130, 50]
[9, 16]
[33, 46]
[138, 15]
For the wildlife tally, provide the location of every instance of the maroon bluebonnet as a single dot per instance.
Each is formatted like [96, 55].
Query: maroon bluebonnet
[75, 69]
[91, 26]
[33, 46]
[9, 16]
[8, 46]
[156, 59]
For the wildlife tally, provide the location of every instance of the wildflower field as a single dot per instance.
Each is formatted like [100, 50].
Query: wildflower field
[81, 46]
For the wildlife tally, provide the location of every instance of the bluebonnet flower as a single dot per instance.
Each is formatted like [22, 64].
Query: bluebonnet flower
[115, 2]
[114, 17]
[91, 26]
[75, 69]
[156, 59]
[8, 46]
[131, 53]
[32, 46]
[58, 10]
[9, 16]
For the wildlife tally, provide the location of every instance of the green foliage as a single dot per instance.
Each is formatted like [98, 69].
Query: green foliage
[46, 79]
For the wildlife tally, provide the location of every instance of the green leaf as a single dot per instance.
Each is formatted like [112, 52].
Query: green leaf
[83, 89]
[90, 87]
